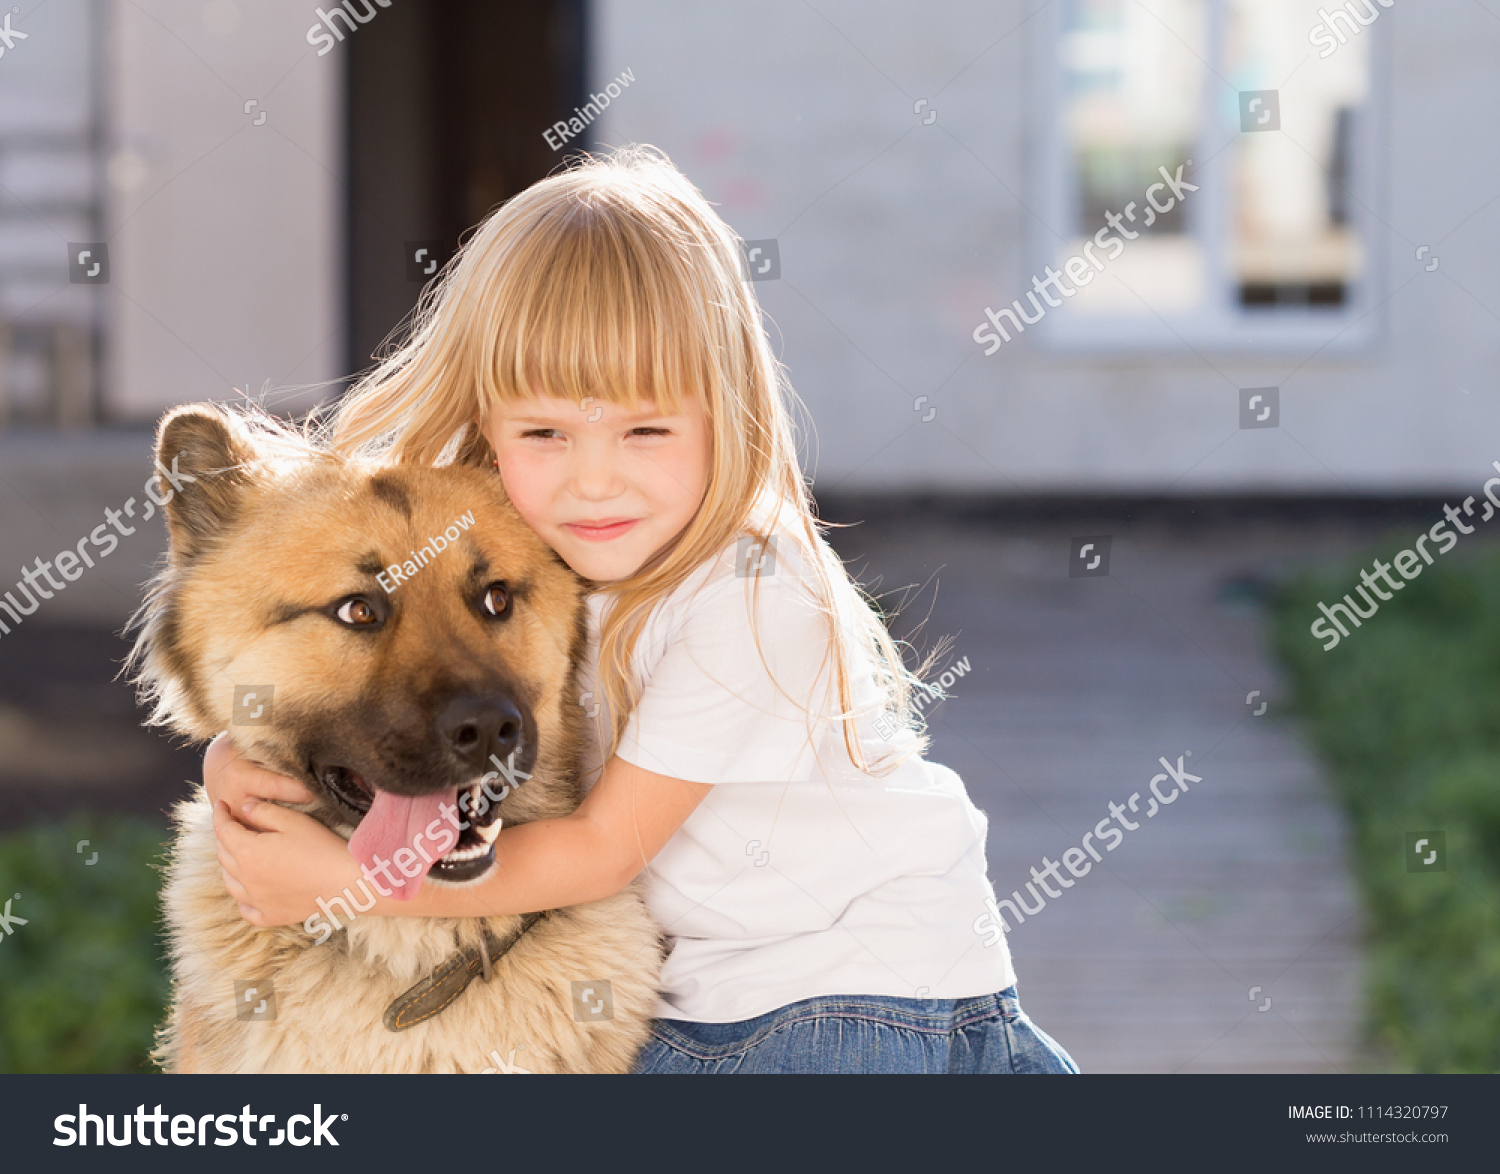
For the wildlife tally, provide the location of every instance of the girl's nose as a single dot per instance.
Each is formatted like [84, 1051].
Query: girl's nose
[597, 478]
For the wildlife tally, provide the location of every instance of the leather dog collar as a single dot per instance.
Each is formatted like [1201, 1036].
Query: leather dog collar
[450, 979]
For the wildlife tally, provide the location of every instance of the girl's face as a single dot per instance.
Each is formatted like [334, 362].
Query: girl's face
[604, 487]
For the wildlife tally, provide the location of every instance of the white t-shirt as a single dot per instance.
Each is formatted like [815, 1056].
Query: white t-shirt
[798, 875]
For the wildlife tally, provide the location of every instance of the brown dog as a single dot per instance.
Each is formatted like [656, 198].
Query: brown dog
[401, 642]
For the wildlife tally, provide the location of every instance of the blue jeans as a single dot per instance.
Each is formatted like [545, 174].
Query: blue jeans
[862, 1033]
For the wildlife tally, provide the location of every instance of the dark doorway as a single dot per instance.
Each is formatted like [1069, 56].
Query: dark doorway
[447, 101]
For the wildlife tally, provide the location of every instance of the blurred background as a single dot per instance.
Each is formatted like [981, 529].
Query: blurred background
[1121, 484]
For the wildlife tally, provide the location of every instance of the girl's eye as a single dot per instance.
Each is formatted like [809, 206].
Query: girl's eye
[651, 432]
[496, 600]
[357, 613]
[539, 434]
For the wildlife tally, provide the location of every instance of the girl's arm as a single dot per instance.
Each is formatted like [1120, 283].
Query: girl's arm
[277, 875]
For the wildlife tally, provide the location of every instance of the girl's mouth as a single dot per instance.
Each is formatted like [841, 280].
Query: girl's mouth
[600, 532]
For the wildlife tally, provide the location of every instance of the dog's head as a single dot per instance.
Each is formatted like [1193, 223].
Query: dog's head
[397, 638]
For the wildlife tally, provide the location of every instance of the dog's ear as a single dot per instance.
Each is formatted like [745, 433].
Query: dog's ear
[202, 454]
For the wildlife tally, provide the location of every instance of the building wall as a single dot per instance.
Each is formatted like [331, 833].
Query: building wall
[798, 121]
[225, 236]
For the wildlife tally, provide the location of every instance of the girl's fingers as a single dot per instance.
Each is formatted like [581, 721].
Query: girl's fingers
[268, 817]
[267, 784]
[226, 861]
[233, 887]
[234, 778]
[230, 833]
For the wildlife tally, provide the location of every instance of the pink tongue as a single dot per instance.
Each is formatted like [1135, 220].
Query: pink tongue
[399, 821]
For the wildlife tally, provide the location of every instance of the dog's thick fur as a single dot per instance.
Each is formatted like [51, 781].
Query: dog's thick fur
[267, 542]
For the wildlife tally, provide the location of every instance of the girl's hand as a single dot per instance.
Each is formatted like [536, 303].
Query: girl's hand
[230, 778]
[277, 875]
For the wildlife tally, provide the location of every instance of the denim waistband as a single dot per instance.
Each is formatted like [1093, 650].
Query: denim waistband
[931, 1016]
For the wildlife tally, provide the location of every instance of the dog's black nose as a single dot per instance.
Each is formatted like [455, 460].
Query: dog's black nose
[476, 727]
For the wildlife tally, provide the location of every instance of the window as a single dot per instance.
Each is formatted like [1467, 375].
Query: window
[1213, 164]
[50, 211]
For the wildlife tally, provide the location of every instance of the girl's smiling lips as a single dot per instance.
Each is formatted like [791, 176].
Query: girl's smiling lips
[600, 531]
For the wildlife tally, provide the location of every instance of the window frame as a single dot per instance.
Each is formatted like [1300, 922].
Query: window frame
[1221, 324]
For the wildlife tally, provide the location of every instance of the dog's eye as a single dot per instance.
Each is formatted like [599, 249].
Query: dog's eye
[357, 613]
[497, 600]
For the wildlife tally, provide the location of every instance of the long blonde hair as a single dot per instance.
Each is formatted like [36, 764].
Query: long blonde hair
[616, 280]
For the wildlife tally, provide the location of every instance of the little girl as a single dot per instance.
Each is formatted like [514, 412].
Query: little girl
[754, 750]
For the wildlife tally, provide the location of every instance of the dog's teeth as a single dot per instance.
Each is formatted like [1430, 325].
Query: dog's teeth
[460, 855]
[488, 834]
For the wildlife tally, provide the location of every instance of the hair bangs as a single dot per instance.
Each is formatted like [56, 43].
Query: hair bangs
[597, 306]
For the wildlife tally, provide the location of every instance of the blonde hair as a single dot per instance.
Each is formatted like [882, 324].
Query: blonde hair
[616, 280]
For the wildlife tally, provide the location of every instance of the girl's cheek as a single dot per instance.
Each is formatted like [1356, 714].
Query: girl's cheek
[521, 489]
[530, 514]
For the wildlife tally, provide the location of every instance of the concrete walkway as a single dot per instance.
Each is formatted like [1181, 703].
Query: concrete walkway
[1151, 962]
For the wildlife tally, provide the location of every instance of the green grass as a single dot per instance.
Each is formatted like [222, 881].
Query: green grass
[1406, 714]
[82, 984]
